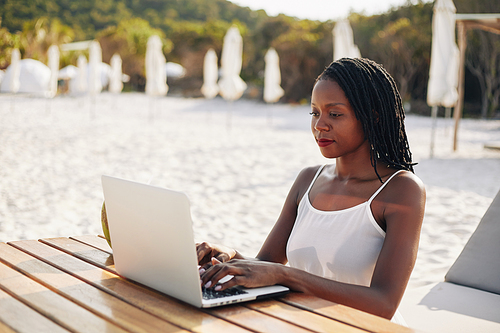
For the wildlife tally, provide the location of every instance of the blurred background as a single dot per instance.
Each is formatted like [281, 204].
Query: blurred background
[399, 38]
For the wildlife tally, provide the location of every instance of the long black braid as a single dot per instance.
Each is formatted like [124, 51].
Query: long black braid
[377, 104]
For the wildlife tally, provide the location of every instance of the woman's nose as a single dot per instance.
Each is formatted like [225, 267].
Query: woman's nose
[321, 125]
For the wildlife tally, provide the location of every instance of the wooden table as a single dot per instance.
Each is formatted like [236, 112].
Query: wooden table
[70, 284]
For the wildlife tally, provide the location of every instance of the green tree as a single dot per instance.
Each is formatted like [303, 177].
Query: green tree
[8, 42]
[403, 52]
[258, 41]
[483, 55]
[304, 49]
[15, 13]
[129, 39]
[192, 39]
[400, 40]
[39, 34]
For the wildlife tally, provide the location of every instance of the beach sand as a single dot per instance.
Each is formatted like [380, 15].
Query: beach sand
[236, 161]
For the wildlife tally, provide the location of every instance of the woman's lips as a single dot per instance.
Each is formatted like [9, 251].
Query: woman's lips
[324, 142]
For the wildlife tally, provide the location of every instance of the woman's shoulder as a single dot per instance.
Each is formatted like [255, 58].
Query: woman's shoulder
[310, 172]
[307, 175]
[303, 180]
[404, 177]
[405, 185]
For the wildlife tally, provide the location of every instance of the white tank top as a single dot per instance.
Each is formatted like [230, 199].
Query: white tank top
[341, 245]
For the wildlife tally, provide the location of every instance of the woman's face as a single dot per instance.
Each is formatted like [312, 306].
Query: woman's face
[334, 124]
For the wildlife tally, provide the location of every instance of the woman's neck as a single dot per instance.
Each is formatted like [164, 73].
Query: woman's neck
[359, 167]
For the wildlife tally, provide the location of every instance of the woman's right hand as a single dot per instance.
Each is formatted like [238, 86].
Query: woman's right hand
[206, 251]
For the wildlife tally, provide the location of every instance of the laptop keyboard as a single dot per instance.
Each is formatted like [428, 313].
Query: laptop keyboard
[210, 293]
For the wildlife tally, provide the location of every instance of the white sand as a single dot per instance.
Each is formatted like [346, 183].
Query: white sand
[236, 161]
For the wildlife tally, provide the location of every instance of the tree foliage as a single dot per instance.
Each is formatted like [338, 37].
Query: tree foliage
[8, 42]
[306, 48]
[39, 34]
[129, 39]
[400, 39]
[483, 55]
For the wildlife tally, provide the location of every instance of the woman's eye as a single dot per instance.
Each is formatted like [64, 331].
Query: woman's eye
[334, 115]
[313, 113]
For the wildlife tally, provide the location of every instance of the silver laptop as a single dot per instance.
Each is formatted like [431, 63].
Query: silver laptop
[152, 236]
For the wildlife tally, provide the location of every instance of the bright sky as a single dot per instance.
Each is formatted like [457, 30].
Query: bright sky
[321, 10]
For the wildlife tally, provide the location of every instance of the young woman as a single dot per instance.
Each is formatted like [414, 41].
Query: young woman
[349, 230]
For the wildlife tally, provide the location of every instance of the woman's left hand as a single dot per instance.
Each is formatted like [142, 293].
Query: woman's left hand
[245, 272]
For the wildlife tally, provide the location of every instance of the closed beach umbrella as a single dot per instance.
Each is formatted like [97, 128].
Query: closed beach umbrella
[10, 83]
[445, 57]
[443, 73]
[156, 75]
[95, 59]
[344, 46]
[231, 86]
[104, 74]
[54, 69]
[210, 89]
[272, 77]
[115, 77]
[81, 78]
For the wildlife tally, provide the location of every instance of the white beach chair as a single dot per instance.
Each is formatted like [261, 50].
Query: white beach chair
[469, 298]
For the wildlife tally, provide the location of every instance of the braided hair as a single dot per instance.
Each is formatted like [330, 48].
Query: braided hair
[373, 94]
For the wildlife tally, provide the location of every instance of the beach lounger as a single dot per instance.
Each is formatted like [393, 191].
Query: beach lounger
[469, 298]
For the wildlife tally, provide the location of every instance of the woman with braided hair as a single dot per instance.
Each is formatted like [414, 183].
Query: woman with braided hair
[349, 230]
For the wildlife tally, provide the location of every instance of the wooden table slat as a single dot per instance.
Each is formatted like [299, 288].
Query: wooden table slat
[3, 327]
[255, 320]
[94, 241]
[343, 313]
[240, 315]
[16, 316]
[309, 320]
[320, 307]
[80, 270]
[93, 299]
[163, 306]
[52, 305]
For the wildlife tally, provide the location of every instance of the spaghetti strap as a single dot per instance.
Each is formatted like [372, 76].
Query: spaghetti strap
[314, 179]
[382, 186]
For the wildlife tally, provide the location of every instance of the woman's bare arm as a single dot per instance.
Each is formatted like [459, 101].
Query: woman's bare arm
[403, 215]
[274, 248]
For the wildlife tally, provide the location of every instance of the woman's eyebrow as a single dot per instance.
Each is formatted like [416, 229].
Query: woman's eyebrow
[335, 104]
[330, 104]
